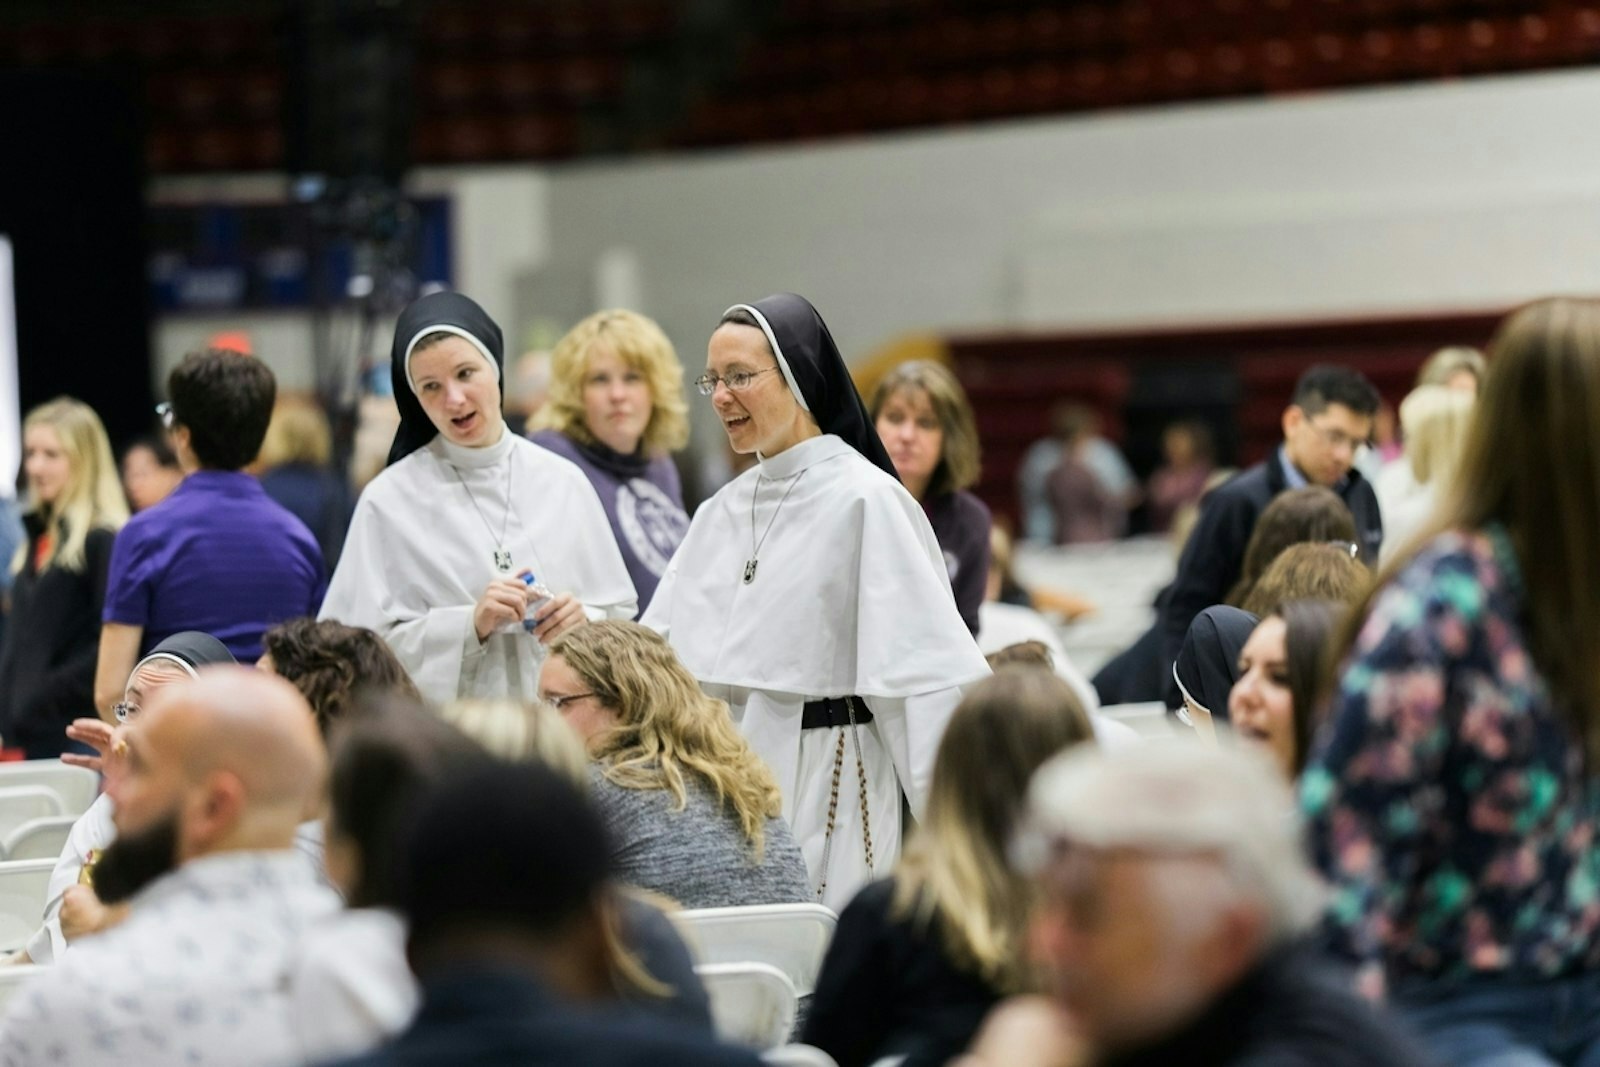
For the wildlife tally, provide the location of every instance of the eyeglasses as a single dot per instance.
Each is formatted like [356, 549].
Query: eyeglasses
[739, 379]
[1338, 439]
[1347, 546]
[124, 710]
[560, 702]
[164, 412]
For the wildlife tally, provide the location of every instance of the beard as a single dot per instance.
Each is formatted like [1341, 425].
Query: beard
[134, 860]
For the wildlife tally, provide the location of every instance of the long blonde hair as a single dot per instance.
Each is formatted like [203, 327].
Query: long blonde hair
[1435, 420]
[666, 724]
[639, 343]
[92, 498]
[955, 874]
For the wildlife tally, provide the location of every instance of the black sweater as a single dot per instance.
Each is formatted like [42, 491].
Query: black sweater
[52, 641]
[888, 988]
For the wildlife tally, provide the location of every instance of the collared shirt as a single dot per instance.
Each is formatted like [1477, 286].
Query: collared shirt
[1296, 479]
[197, 974]
[217, 555]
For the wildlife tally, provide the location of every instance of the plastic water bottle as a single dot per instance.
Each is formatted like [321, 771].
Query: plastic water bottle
[538, 597]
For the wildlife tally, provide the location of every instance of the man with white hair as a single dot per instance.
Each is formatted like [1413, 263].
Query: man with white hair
[1174, 907]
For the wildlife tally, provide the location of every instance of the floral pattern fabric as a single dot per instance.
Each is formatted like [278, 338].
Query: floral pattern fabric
[1447, 800]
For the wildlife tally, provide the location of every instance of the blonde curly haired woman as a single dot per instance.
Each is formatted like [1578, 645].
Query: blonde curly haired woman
[617, 410]
[694, 813]
[74, 509]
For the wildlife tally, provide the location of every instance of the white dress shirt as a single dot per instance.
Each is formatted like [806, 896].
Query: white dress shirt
[196, 975]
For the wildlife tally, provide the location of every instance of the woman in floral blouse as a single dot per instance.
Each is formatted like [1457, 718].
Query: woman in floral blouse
[1451, 800]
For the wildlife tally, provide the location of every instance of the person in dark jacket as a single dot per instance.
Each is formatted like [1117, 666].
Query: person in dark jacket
[1327, 421]
[75, 507]
[926, 423]
[509, 943]
[296, 471]
[1175, 917]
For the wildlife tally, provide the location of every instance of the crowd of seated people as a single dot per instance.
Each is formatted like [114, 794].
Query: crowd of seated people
[451, 815]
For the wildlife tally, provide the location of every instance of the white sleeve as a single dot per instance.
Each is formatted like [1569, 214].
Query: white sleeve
[94, 830]
[911, 729]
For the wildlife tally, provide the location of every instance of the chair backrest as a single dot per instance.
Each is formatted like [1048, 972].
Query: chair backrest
[38, 839]
[798, 1056]
[24, 887]
[752, 1004]
[13, 979]
[76, 786]
[24, 803]
[790, 937]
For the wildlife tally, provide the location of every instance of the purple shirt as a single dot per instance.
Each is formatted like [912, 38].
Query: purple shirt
[643, 501]
[217, 555]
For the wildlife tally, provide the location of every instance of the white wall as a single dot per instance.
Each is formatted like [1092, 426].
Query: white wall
[1447, 196]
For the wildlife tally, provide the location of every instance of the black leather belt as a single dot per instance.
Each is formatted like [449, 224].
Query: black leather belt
[821, 714]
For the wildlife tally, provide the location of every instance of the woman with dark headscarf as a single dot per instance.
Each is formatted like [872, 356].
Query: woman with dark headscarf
[1208, 664]
[176, 659]
[811, 594]
[447, 542]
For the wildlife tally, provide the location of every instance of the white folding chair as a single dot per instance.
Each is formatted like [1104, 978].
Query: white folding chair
[38, 839]
[790, 937]
[1150, 719]
[76, 786]
[752, 1004]
[798, 1056]
[14, 978]
[24, 803]
[24, 885]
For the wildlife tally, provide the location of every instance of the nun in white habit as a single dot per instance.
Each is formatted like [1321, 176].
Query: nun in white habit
[441, 538]
[811, 595]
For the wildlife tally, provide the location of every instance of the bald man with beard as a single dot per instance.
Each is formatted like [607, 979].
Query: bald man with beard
[217, 774]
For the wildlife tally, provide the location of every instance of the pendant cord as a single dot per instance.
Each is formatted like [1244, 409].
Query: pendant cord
[505, 522]
[755, 546]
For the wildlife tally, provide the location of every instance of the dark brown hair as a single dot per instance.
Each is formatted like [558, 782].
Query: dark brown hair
[225, 399]
[330, 663]
[1310, 514]
[1310, 633]
[1531, 465]
[386, 757]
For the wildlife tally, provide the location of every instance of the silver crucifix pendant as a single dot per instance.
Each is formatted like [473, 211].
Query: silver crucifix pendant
[502, 560]
[749, 571]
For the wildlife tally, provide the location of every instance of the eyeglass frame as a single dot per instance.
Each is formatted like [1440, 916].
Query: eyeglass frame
[164, 413]
[1336, 439]
[706, 384]
[122, 711]
[1346, 546]
[562, 701]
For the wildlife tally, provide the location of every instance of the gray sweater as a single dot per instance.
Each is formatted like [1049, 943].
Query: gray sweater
[699, 856]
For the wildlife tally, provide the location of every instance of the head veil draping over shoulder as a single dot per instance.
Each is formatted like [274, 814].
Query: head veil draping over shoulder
[817, 374]
[434, 313]
[1208, 665]
[188, 650]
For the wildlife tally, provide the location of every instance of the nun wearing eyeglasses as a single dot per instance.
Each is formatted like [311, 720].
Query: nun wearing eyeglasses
[811, 594]
[176, 659]
[447, 539]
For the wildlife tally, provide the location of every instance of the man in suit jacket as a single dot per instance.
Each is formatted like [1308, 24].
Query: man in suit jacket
[1327, 421]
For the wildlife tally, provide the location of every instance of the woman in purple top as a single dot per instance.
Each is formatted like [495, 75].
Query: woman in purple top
[927, 426]
[617, 410]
